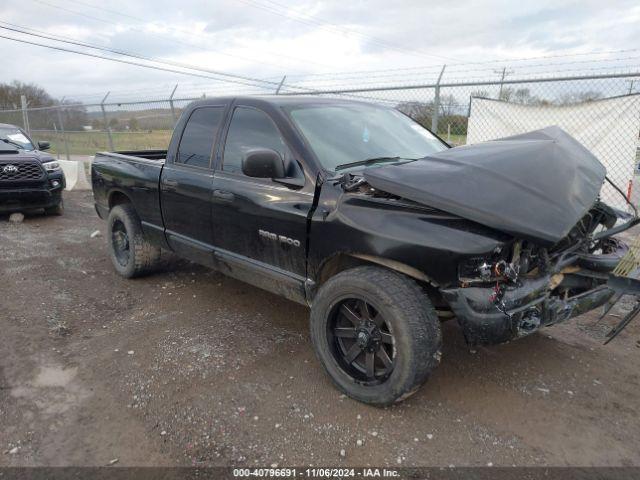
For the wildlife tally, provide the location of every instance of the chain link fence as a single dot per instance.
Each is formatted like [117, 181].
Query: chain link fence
[442, 104]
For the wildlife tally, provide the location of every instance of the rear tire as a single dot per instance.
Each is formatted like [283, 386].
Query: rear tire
[131, 254]
[390, 318]
[57, 209]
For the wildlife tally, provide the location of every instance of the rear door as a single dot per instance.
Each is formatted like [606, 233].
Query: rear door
[259, 225]
[186, 186]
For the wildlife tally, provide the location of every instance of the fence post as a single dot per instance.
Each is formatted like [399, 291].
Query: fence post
[106, 124]
[436, 103]
[25, 114]
[173, 111]
[55, 129]
[280, 84]
[64, 133]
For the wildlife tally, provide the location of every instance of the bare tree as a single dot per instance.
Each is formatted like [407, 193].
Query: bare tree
[448, 104]
[421, 112]
[579, 97]
[524, 96]
[480, 94]
[10, 95]
[506, 94]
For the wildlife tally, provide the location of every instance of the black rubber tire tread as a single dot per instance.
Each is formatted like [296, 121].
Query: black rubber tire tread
[144, 258]
[57, 209]
[415, 325]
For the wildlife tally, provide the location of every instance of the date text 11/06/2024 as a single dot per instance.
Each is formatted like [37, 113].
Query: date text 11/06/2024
[315, 472]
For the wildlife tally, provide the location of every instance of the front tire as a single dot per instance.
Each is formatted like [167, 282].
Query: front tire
[376, 333]
[131, 254]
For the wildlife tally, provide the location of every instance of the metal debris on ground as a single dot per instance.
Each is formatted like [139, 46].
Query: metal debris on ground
[625, 280]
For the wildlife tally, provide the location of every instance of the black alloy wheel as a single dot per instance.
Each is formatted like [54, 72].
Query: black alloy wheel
[120, 242]
[361, 341]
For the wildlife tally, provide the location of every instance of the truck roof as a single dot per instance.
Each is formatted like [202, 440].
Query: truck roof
[279, 100]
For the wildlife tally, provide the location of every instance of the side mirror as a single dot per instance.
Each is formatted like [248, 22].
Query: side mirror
[44, 146]
[263, 163]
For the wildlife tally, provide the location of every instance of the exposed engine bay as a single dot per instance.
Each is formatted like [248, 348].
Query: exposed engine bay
[533, 286]
[557, 264]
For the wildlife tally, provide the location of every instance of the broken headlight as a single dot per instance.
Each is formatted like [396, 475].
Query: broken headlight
[475, 269]
[488, 268]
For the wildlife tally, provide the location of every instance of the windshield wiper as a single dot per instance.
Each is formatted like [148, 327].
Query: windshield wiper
[371, 161]
[11, 142]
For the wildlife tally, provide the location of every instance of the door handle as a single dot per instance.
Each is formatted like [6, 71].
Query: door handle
[223, 196]
[170, 185]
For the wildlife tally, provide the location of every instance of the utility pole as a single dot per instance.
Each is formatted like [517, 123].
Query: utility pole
[503, 73]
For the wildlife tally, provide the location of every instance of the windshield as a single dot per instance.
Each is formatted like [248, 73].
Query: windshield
[343, 134]
[16, 137]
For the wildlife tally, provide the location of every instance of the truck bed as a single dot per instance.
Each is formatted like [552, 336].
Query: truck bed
[134, 173]
[146, 154]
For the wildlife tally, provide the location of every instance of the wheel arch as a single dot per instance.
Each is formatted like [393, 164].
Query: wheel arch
[343, 261]
[118, 197]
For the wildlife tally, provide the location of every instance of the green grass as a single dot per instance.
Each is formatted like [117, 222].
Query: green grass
[88, 143]
[455, 139]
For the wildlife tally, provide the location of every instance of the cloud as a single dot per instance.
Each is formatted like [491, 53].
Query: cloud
[270, 38]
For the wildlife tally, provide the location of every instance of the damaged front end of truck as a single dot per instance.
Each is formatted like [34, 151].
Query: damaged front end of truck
[528, 286]
[543, 190]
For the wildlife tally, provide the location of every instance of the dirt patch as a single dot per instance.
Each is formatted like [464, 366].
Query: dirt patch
[190, 367]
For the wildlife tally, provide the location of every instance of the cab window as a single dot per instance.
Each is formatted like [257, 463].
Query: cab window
[196, 144]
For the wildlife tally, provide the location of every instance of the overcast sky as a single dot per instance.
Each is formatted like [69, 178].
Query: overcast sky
[270, 38]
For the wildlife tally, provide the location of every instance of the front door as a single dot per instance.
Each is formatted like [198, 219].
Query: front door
[186, 187]
[259, 225]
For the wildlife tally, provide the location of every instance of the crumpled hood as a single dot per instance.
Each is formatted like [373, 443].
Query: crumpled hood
[537, 185]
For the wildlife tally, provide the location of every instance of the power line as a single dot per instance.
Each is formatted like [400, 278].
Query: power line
[192, 34]
[98, 19]
[395, 78]
[119, 60]
[331, 26]
[316, 22]
[391, 76]
[154, 67]
[61, 39]
[175, 29]
[329, 86]
[436, 68]
[309, 21]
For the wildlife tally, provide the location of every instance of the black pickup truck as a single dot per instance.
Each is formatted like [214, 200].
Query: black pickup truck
[29, 177]
[373, 222]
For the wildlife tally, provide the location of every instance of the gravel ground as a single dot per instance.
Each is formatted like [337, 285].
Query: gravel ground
[188, 367]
